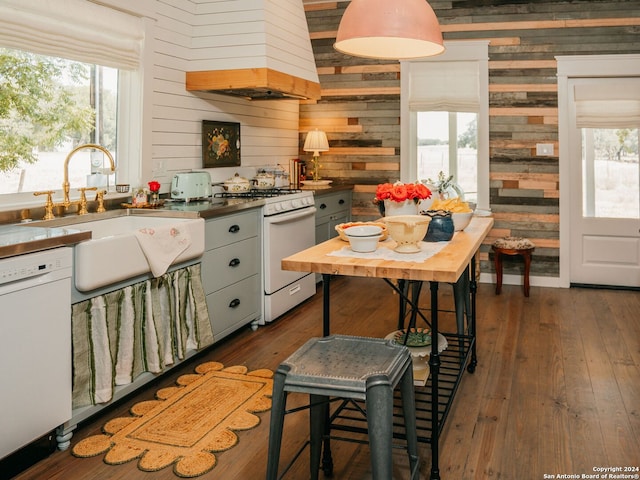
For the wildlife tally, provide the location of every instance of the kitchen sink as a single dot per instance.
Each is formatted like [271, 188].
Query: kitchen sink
[113, 254]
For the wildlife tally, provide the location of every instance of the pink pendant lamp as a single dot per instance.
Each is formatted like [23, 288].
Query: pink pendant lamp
[389, 29]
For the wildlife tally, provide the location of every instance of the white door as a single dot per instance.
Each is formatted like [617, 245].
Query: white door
[604, 181]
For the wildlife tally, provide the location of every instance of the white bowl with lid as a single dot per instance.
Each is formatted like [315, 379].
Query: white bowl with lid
[236, 184]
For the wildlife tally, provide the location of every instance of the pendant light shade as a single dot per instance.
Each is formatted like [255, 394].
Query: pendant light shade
[389, 29]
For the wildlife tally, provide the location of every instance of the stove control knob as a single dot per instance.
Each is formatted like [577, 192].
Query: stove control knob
[295, 204]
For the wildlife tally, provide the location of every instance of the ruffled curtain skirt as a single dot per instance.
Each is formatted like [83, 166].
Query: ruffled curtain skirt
[144, 327]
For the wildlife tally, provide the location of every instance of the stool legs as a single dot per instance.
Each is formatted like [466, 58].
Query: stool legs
[527, 268]
[497, 260]
[409, 412]
[278, 402]
[319, 412]
[379, 403]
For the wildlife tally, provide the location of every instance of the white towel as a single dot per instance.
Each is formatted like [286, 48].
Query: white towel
[162, 245]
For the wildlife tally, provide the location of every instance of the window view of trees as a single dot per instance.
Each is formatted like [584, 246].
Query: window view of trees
[448, 142]
[611, 180]
[48, 106]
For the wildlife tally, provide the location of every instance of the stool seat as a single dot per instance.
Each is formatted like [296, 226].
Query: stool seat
[348, 367]
[512, 246]
[514, 243]
[341, 364]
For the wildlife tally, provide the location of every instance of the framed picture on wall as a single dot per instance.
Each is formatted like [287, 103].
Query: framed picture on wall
[220, 144]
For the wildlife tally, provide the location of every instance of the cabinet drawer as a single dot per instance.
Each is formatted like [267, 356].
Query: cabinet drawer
[333, 203]
[234, 306]
[231, 228]
[230, 264]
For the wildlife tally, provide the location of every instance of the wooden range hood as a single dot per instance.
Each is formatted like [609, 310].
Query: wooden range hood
[253, 83]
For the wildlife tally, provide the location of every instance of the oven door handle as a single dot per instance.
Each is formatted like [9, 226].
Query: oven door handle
[288, 217]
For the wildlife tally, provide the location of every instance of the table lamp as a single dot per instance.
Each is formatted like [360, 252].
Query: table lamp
[316, 142]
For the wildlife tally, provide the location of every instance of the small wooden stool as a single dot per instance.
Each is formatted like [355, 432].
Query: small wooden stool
[512, 246]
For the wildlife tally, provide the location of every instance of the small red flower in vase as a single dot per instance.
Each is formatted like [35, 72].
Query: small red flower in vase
[155, 188]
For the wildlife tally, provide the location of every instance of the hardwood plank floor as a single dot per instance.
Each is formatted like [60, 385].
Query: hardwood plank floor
[556, 389]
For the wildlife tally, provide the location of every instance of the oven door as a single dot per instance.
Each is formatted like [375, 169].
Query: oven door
[286, 234]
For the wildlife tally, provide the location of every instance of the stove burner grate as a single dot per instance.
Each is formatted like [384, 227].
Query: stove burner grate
[258, 193]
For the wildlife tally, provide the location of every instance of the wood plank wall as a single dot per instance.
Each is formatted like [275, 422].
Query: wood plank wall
[360, 104]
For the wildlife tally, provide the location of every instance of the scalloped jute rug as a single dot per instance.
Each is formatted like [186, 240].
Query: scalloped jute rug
[187, 423]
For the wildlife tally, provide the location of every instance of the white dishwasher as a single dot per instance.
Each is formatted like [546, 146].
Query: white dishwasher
[35, 345]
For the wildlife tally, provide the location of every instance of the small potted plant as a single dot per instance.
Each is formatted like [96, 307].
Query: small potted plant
[445, 187]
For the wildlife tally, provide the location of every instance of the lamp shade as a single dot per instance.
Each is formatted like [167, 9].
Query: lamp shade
[316, 141]
[389, 29]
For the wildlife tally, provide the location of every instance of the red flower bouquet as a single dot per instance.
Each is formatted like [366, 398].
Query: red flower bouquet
[399, 192]
[154, 186]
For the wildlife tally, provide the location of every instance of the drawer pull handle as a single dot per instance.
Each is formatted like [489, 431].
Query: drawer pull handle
[234, 229]
[341, 201]
[234, 303]
[322, 206]
[234, 262]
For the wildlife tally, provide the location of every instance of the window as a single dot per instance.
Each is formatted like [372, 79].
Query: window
[69, 104]
[610, 184]
[448, 142]
[445, 106]
[608, 115]
[110, 84]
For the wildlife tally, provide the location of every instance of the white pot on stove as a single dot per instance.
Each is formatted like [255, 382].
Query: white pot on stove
[236, 184]
[264, 180]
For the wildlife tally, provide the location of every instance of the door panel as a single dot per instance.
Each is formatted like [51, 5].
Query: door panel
[605, 187]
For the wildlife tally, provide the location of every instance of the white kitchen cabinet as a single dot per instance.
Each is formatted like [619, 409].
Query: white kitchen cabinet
[231, 271]
[331, 209]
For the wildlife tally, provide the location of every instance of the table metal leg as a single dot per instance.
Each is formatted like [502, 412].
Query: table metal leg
[402, 290]
[471, 317]
[327, 460]
[416, 287]
[434, 365]
[326, 280]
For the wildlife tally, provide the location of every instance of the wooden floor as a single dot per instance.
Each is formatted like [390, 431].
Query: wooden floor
[556, 390]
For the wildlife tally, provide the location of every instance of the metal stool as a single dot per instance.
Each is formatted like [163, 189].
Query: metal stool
[512, 246]
[358, 368]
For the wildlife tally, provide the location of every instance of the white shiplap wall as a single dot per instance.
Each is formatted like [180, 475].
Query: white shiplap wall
[269, 129]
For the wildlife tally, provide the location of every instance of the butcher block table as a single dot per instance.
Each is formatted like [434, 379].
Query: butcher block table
[455, 259]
